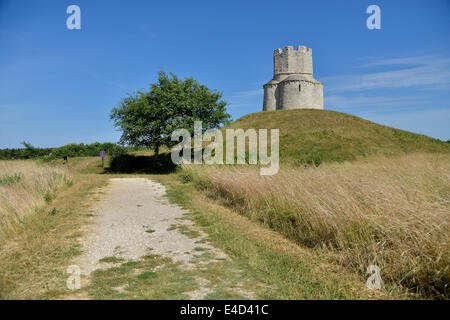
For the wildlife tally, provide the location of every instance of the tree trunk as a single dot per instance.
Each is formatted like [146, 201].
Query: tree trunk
[157, 149]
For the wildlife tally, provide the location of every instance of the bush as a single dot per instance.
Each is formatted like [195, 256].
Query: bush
[69, 150]
[128, 163]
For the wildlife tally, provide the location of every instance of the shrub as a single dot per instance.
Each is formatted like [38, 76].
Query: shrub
[128, 163]
[70, 150]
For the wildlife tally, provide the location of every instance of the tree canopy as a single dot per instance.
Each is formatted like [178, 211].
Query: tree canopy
[148, 118]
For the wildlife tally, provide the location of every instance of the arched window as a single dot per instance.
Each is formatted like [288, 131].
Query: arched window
[299, 87]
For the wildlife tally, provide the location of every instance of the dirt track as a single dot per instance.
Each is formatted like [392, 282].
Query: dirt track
[133, 218]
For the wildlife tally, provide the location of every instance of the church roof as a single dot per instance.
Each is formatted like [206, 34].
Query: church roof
[300, 77]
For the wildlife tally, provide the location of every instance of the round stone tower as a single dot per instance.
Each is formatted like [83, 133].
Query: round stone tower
[293, 85]
[270, 93]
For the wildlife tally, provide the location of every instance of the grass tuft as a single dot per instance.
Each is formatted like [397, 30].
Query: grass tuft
[11, 179]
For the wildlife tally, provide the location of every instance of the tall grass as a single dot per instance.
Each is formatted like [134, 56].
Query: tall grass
[391, 212]
[24, 187]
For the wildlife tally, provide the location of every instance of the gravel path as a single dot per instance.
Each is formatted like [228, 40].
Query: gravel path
[132, 219]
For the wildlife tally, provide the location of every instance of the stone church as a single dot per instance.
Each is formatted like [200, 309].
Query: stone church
[293, 85]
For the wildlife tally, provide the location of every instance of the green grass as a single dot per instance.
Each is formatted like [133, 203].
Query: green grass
[48, 196]
[53, 211]
[200, 249]
[183, 229]
[11, 179]
[111, 260]
[157, 277]
[315, 136]
[138, 280]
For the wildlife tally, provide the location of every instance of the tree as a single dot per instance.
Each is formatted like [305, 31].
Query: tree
[147, 119]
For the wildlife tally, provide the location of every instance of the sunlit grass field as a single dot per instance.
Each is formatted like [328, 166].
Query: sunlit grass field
[393, 212]
[25, 186]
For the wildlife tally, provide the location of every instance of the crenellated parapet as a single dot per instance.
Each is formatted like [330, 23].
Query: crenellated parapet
[290, 50]
[291, 61]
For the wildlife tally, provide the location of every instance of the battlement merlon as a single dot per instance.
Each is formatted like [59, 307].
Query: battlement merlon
[291, 61]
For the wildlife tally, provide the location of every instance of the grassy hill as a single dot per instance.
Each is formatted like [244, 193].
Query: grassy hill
[314, 136]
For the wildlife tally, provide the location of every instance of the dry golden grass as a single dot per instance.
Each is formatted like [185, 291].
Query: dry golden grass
[35, 253]
[24, 187]
[392, 212]
[290, 271]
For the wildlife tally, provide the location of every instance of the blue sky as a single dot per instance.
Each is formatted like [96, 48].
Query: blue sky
[58, 86]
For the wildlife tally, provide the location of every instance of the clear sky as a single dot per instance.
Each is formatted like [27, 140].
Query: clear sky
[58, 86]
